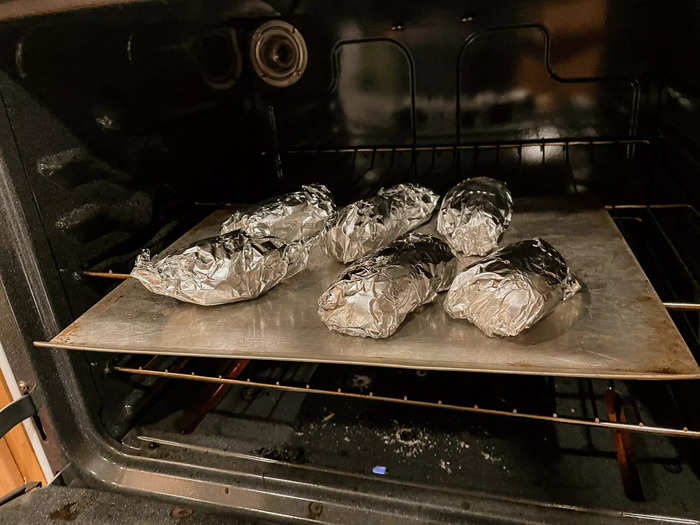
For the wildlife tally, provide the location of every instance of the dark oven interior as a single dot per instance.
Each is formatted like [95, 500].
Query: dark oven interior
[125, 125]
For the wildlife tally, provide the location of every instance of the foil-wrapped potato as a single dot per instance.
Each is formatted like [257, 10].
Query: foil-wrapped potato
[374, 295]
[367, 225]
[474, 214]
[224, 269]
[511, 289]
[290, 217]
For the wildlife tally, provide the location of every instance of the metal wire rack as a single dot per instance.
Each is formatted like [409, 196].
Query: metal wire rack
[288, 381]
[659, 236]
[651, 230]
[421, 162]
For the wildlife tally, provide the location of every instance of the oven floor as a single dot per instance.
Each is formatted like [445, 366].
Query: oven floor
[539, 461]
[87, 506]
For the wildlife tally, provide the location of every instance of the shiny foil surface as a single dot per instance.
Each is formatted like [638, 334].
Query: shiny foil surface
[364, 226]
[474, 214]
[224, 269]
[513, 288]
[373, 296]
[290, 217]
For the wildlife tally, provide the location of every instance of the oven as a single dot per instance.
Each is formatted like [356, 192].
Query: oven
[141, 125]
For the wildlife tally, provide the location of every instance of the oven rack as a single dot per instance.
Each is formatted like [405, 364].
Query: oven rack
[420, 162]
[564, 142]
[580, 339]
[615, 423]
[562, 153]
[424, 160]
[663, 237]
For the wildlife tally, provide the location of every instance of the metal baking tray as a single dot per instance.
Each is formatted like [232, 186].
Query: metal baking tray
[616, 327]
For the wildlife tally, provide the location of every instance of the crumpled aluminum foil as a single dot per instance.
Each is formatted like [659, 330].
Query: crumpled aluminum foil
[511, 289]
[290, 217]
[373, 296]
[474, 214]
[365, 226]
[224, 269]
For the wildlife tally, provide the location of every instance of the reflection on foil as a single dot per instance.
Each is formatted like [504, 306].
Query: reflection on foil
[513, 288]
[225, 269]
[373, 296]
[364, 226]
[290, 217]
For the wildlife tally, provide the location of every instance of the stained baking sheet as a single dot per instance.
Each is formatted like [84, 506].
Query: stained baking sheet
[615, 327]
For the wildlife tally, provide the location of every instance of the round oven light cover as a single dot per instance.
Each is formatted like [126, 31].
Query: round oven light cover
[278, 53]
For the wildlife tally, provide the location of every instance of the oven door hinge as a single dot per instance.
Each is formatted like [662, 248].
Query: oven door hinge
[18, 411]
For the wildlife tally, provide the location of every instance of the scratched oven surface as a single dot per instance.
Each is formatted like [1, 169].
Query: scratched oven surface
[615, 327]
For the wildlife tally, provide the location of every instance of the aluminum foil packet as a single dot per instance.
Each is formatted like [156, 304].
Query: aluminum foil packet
[290, 217]
[511, 289]
[364, 226]
[224, 269]
[474, 214]
[373, 296]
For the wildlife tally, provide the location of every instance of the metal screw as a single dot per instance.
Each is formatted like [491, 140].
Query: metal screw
[467, 19]
[315, 510]
[23, 387]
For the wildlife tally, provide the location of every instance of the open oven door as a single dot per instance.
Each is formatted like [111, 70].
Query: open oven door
[23, 462]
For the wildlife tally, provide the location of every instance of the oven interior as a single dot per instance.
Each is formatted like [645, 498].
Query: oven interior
[132, 123]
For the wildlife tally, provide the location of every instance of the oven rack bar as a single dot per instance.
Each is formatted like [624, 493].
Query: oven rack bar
[515, 144]
[514, 413]
[521, 151]
[107, 275]
[684, 304]
[672, 305]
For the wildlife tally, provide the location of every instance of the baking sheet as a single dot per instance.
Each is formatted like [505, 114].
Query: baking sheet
[616, 327]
